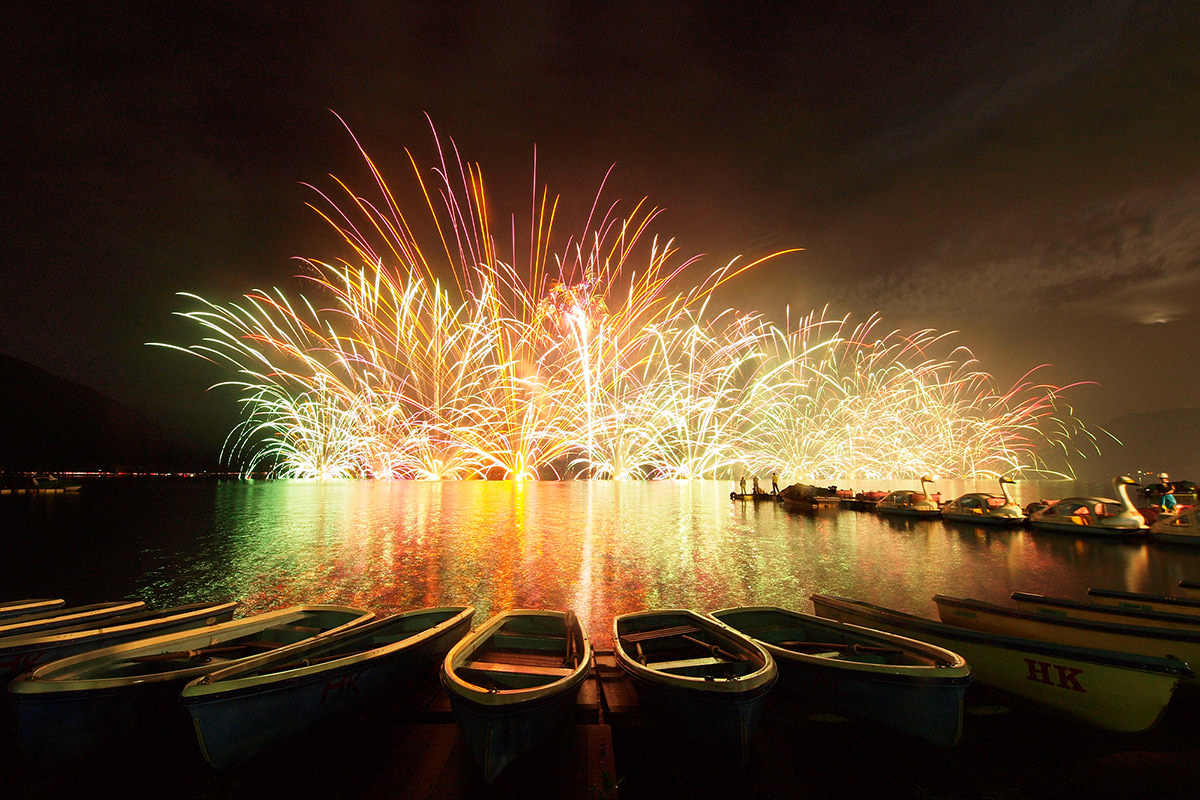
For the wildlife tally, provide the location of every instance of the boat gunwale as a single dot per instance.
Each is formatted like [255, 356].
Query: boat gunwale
[74, 616]
[481, 698]
[1165, 599]
[1106, 610]
[955, 671]
[36, 681]
[1139, 631]
[1113, 658]
[223, 683]
[761, 679]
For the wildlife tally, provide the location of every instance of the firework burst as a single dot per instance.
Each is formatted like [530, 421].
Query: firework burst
[590, 359]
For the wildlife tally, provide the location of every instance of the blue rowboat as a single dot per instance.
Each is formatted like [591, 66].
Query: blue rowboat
[69, 705]
[698, 675]
[16, 608]
[21, 653]
[903, 684]
[244, 708]
[1111, 690]
[513, 680]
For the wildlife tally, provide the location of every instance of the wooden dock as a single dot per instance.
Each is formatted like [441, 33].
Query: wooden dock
[612, 748]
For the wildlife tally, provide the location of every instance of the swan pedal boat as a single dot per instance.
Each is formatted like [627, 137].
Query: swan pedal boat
[1124, 615]
[1182, 527]
[910, 503]
[1099, 516]
[66, 706]
[985, 509]
[22, 653]
[513, 680]
[18, 608]
[241, 709]
[1113, 691]
[1141, 640]
[1144, 602]
[705, 679]
[900, 683]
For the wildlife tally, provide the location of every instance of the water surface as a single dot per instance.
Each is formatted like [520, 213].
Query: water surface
[601, 548]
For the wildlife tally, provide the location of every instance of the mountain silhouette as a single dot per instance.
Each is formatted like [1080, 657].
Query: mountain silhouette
[50, 424]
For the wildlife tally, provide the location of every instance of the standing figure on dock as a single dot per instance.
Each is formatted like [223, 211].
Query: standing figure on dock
[774, 482]
[742, 483]
[1166, 494]
[757, 491]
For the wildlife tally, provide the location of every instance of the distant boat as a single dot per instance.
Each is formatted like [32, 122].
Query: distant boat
[16, 608]
[27, 651]
[512, 681]
[700, 677]
[1140, 639]
[1145, 602]
[68, 705]
[52, 483]
[804, 497]
[1182, 527]
[243, 708]
[1101, 516]
[1122, 615]
[909, 686]
[985, 509]
[62, 617]
[909, 503]
[1109, 690]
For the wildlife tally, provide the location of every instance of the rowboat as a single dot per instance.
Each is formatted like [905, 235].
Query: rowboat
[900, 683]
[806, 497]
[38, 620]
[1182, 527]
[1100, 516]
[909, 503]
[1145, 602]
[243, 708]
[1109, 690]
[24, 652]
[985, 509]
[1141, 640]
[699, 675]
[1190, 589]
[68, 705]
[1061, 607]
[16, 608]
[512, 681]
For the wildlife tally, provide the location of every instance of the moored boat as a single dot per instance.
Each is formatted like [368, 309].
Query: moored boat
[1124, 615]
[702, 677]
[903, 684]
[986, 509]
[910, 503]
[1099, 516]
[243, 708]
[1109, 690]
[16, 608]
[24, 652]
[40, 620]
[73, 703]
[805, 497]
[1182, 527]
[1144, 602]
[512, 681]
[1139, 639]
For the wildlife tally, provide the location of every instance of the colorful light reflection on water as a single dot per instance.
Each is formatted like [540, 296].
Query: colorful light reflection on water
[599, 547]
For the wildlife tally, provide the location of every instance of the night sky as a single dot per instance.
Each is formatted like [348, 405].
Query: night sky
[1026, 173]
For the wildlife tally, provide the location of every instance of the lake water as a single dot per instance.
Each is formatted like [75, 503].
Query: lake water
[600, 548]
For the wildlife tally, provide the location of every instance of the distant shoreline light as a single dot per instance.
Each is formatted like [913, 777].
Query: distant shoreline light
[595, 358]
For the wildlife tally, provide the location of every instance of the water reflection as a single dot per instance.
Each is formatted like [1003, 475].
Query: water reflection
[601, 548]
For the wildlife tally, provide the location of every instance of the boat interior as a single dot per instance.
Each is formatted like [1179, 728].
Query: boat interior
[689, 651]
[519, 655]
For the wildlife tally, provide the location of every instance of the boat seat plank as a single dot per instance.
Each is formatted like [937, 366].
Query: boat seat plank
[519, 669]
[522, 659]
[706, 661]
[642, 636]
